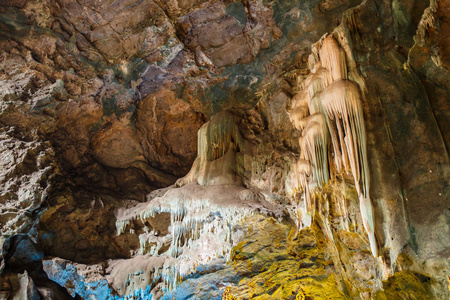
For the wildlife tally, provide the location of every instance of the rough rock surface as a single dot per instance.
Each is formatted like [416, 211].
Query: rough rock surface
[113, 111]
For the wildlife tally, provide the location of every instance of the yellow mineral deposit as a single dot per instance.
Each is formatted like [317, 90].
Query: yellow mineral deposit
[300, 295]
[448, 279]
[227, 294]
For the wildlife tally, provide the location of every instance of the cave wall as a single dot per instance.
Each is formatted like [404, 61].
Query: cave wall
[101, 102]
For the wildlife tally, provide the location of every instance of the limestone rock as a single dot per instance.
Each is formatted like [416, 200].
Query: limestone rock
[86, 281]
[302, 138]
[229, 33]
[24, 288]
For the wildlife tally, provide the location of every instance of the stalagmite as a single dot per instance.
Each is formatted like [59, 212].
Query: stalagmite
[335, 118]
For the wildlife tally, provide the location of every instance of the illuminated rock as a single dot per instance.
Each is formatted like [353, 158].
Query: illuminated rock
[334, 111]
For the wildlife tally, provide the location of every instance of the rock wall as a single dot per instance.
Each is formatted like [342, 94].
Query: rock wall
[176, 149]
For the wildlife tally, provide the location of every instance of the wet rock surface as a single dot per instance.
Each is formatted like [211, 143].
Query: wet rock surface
[104, 107]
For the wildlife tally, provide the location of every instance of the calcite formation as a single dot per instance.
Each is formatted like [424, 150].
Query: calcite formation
[221, 149]
[220, 153]
[328, 111]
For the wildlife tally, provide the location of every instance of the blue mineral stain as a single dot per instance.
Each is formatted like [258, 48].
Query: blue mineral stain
[207, 282]
[66, 276]
[137, 294]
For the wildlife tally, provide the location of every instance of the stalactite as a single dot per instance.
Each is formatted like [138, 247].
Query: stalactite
[216, 136]
[314, 143]
[218, 142]
[298, 115]
[342, 103]
[302, 169]
[335, 119]
[201, 226]
[333, 58]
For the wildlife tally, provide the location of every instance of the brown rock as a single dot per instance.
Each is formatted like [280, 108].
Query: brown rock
[114, 144]
[168, 128]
